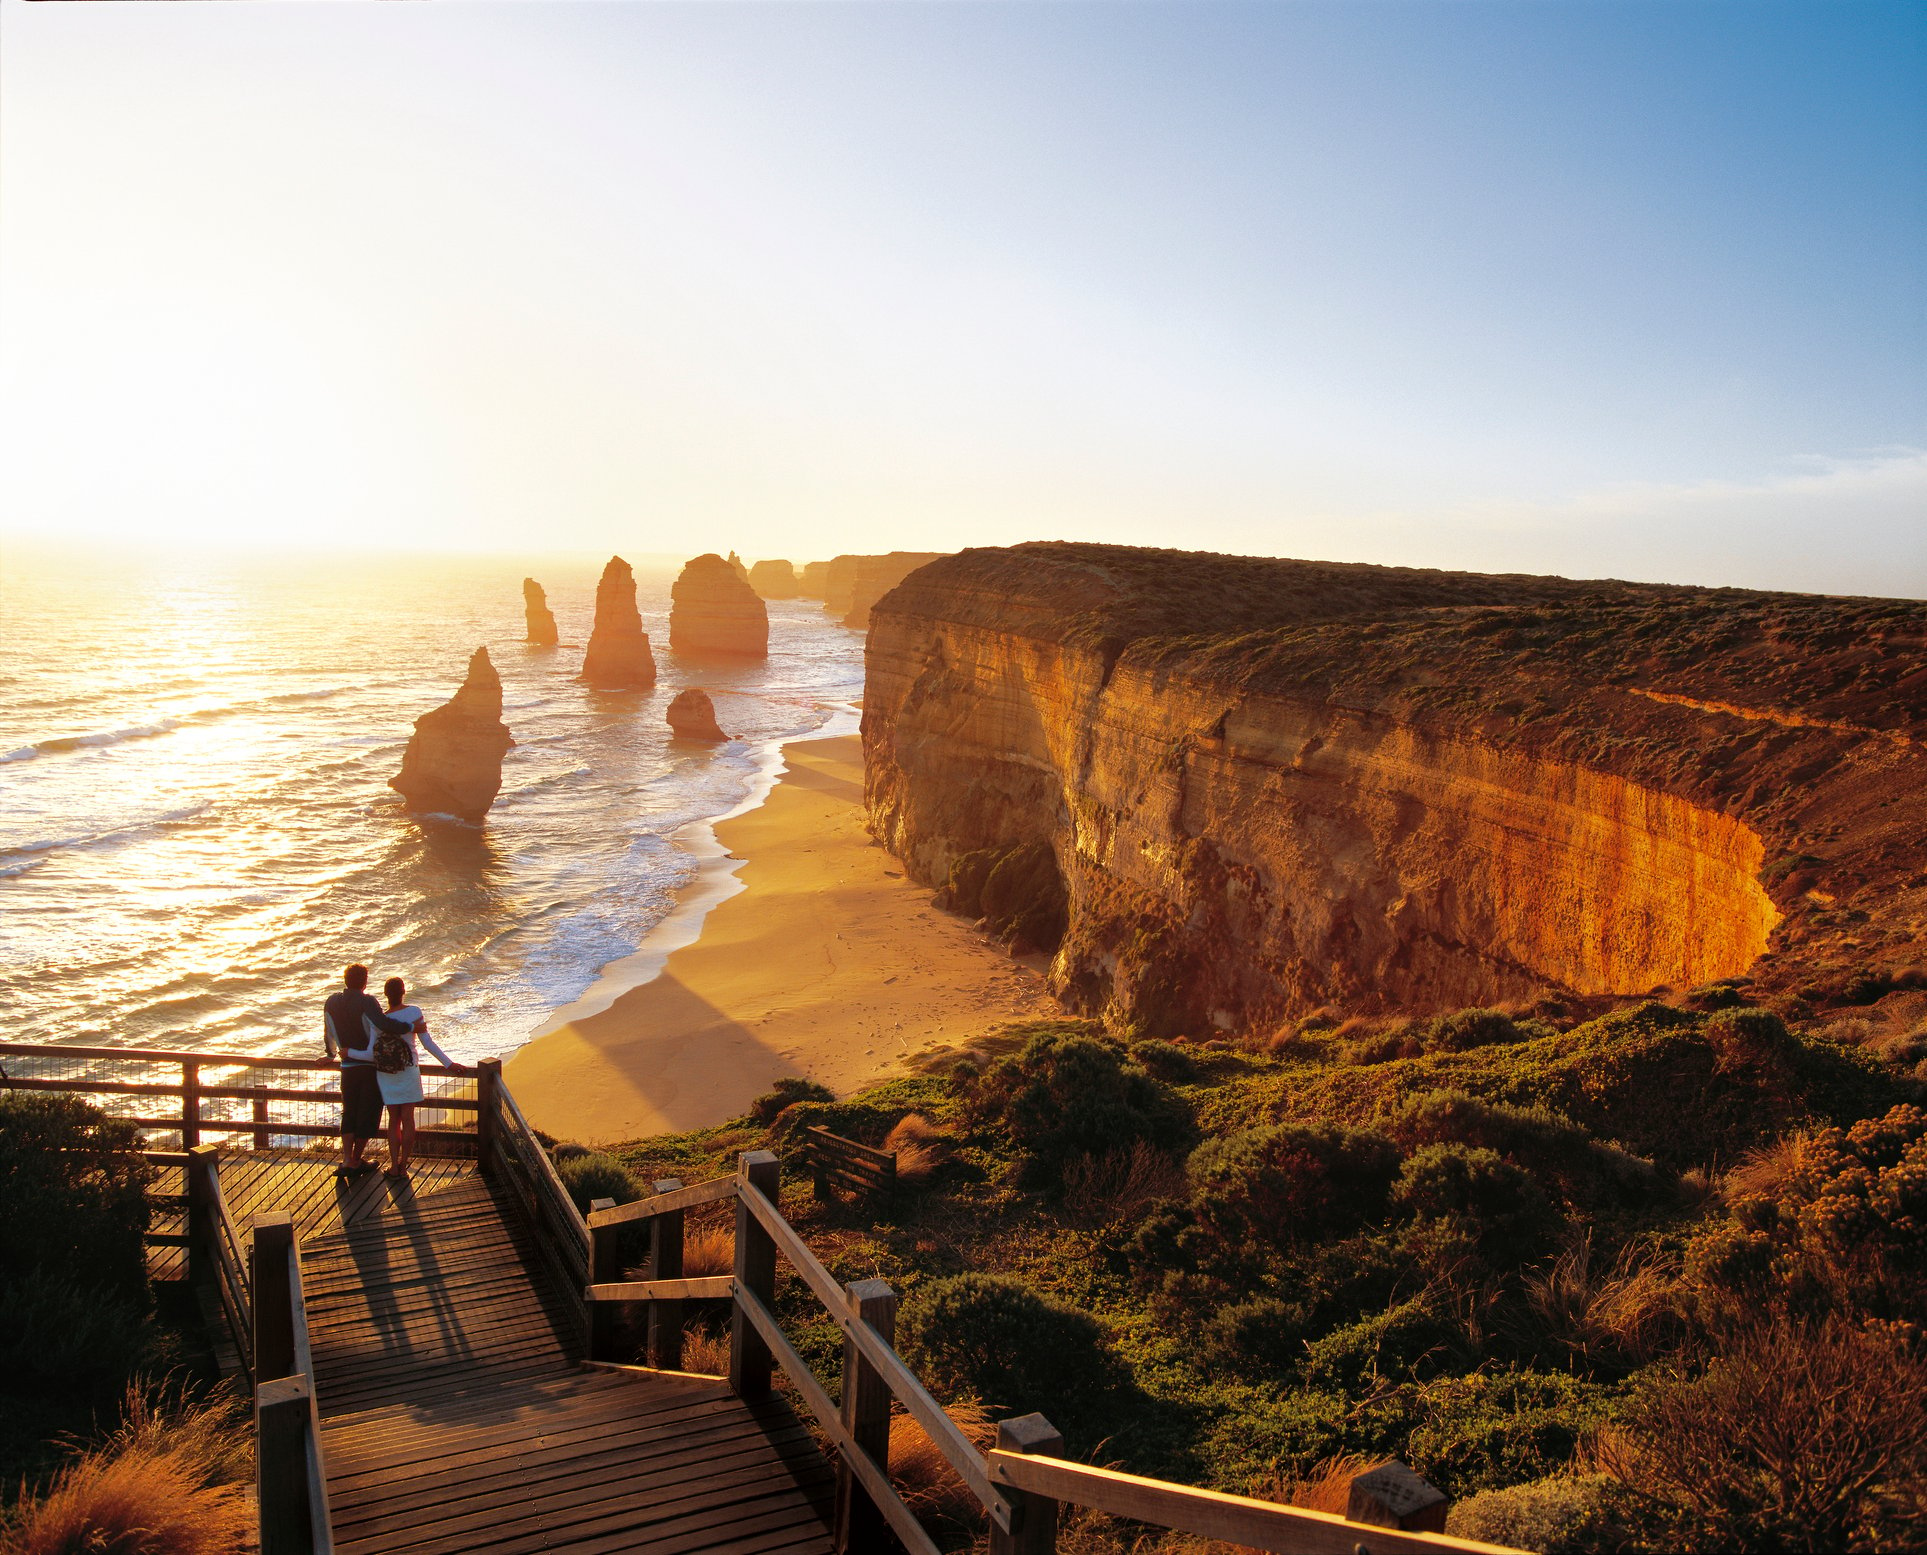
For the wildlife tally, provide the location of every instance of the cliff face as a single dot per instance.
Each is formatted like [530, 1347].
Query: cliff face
[1274, 785]
[773, 580]
[713, 610]
[850, 585]
[618, 657]
[541, 619]
[453, 764]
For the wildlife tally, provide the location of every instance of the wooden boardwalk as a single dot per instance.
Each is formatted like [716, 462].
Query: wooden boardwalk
[456, 1413]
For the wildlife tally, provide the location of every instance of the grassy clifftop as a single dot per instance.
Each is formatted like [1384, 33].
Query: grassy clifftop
[1564, 1267]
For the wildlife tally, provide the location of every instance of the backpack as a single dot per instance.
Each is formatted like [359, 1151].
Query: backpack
[392, 1053]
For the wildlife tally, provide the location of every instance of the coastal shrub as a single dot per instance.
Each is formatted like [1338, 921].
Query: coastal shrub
[990, 1337]
[1480, 1194]
[1565, 1514]
[1068, 1095]
[597, 1176]
[58, 1332]
[785, 1092]
[1290, 1182]
[1496, 1428]
[1466, 1029]
[1802, 1435]
[1409, 1342]
[73, 1195]
[1164, 1060]
[1577, 1165]
[1262, 1330]
[1838, 1219]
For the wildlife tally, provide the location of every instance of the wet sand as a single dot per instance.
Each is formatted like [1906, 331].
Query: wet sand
[828, 963]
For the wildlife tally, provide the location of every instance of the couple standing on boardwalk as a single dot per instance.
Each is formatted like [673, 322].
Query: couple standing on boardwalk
[380, 1066]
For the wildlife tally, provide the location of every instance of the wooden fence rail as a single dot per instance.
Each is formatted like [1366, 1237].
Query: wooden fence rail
[836, 1162]
[1022, 1482]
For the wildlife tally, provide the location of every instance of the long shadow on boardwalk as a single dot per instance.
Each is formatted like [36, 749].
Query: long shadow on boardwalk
[456, 1416]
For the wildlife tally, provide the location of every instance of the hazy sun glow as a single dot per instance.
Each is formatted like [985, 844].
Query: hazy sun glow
[1586, 287]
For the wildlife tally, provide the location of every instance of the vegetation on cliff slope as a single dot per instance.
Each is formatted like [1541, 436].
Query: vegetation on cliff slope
[1655, 1279]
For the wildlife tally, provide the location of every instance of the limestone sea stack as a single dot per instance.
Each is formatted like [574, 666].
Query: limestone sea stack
[773, 580]
[618, 656]
[714, 611]
[692, 716]
[453, 764]
[742, 571]
[541, 618]
[814, 580]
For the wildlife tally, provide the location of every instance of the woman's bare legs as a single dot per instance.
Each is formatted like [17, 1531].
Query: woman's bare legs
[401, 1137]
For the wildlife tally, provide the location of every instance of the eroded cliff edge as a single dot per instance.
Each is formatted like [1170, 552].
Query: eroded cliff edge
[1271, 785]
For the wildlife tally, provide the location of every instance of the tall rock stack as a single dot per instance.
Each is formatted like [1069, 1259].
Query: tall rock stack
[714, 611]
[815, 580]
[773, 580]
[618, 656]
[741, 570]
[453, 764]
[541, 618]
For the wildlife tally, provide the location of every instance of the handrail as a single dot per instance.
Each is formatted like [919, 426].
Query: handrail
[1257, 1525]
[176, 1056]
[710, 1192]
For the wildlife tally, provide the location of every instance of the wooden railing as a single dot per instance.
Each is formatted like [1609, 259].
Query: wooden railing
[102, 1071]
[214, 1253]
[1020, 1484]
[512, 1156]
[290, 1478]
[836, 1162]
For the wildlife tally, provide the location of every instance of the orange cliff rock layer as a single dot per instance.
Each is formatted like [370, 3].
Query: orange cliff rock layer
[1273, 785]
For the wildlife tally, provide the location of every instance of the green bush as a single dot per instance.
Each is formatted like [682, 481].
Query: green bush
[1068, 1095]
[1463, 1030]
[1579, 1167]
[1263, 1329]
[73, 1196]
[1480, 1194]
[597, 1176]
[1164, 1060]
[993, 1338]
[1411, 1341]
[55, 1331]
[1289, 1183]
[785, 1093]
[1566, 1514]
[1493, 1429]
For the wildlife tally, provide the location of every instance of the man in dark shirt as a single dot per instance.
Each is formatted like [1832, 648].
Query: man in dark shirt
[345, 1020]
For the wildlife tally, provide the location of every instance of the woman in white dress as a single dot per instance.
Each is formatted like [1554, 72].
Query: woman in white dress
[401, 1085]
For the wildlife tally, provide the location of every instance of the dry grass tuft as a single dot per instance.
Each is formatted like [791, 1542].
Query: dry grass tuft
[1120, 1183]
[1760, 1173]
[705, 1352]
[708, 1250]
[921, 1473]
[1328, 1487]
[143, 1500]
[1627, 1315]
[920, 1148]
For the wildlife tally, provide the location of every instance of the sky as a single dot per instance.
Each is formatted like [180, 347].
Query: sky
[1606, 289]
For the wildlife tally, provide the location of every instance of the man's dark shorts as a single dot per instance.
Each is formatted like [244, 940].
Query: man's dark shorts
[360, 1101]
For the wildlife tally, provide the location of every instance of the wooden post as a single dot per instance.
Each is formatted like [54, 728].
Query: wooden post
[488, 1085]
[1033, 1518]
[202, 1170]
[1392, 1496]
[190, 1103]
[282, 1414]
[273, 1258]
[819, 1168]
[860, 1527]
[757, 1171]
[605, 1268]
[260, 1123]
[665, 1263]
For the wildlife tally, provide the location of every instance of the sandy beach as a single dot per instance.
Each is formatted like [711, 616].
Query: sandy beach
[828, 964]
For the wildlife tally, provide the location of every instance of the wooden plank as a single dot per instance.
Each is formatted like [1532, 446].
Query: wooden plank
[717, 1188]
[1211, 1514]
[822, 1138]
[707, 1287]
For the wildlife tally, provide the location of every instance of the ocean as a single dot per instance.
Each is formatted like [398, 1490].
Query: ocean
[196, 832]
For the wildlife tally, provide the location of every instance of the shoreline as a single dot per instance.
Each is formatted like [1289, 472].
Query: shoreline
[798, 949]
